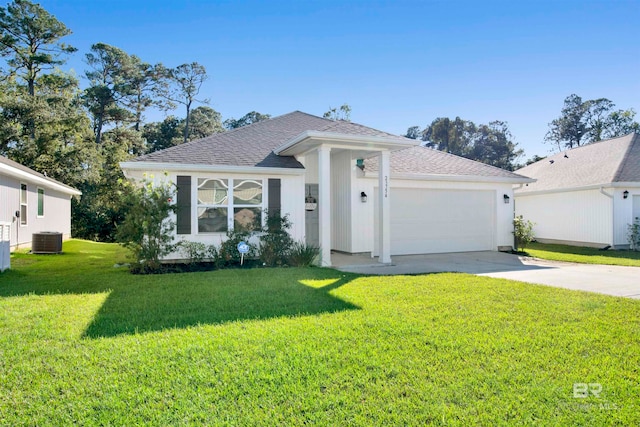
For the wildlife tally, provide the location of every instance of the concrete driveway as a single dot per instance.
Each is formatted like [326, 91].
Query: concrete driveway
[604, 279]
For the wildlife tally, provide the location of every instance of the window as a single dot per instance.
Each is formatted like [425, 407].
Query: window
[23, 204]
[40, 202]
[222, 202]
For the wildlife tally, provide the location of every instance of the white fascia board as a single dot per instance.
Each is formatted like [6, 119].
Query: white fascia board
[46, 183]
[454, 178]
[375, 143]
[520, 193]
[178, 167]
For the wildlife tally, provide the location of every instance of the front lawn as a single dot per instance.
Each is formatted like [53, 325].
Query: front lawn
[82, 342]
[583, 255]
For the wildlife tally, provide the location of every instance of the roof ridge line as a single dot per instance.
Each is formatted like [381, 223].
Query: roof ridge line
[634, 140]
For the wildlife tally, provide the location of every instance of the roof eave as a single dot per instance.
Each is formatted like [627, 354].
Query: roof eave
[454, 178]
[45, 182]
[309, 140]
[625, 184]
[183, 167]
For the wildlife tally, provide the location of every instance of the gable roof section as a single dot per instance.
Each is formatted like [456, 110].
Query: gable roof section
[21, 172]
[253, 145]
[427, 162]
[600, 163]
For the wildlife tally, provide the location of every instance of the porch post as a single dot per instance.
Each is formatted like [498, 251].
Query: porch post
[324, 204]
[384, 208]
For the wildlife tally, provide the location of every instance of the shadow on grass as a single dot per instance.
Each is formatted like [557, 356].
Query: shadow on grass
[172, 301]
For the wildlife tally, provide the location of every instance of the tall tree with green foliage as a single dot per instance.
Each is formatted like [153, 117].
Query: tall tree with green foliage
[30, 39]
[343, 113]
[204, 121]
[187, 80]
[247, 119]
[491, 144]
[582, 122]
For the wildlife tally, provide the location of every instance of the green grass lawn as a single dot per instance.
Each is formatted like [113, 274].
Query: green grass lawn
[84, 343]
[583, 255]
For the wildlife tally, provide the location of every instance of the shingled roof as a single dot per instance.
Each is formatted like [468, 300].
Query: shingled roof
[599, 163]
[253, 145]
[427, 161]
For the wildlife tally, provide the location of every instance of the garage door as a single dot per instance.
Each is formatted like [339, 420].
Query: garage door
[438, 221]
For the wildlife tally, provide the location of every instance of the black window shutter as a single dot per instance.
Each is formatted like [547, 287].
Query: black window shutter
[183, 213]
[274, 204]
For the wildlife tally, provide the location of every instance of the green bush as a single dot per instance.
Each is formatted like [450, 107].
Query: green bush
[303, 255]
[195, 252]
[633, 235]
[275, 240]
[228, 253]
[147, 230]
[523, 232]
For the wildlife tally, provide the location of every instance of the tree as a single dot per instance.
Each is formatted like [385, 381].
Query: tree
[247, 119]
[582, 122]
[491, 144]
[187, 80]
[110, 67]
[413, 132]
[145, 82]
[343, 113]
[30, 38]
[204, 121]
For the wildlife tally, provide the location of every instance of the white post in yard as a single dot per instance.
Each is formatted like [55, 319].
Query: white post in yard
[324, 204]
[384, 208]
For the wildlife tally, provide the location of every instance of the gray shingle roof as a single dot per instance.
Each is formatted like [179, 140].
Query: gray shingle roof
[23, 168]
[604, 162]
[253, 145]
[427, 161]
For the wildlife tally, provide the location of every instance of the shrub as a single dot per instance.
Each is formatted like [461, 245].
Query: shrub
[523, 232]
[195, 252]
[275, 240]
[228, 253]
[633, 235]
[303, 255]
[147, 230]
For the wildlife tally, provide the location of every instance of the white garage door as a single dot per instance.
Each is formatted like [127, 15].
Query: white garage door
[437, 221]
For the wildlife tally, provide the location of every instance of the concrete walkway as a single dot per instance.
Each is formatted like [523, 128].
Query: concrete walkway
[604, 279]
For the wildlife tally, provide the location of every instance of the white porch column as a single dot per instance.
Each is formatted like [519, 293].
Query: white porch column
[384, 207]
[324, 204]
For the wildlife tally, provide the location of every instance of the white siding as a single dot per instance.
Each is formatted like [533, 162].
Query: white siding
[341, 201]
[57, 210]
[624, 213]
[573, 217]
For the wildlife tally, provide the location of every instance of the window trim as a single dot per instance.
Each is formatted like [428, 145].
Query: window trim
[40, 190]
[23, 221]
[230, 206]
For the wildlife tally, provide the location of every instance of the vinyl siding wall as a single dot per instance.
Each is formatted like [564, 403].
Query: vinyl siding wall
[574, 217]
[57, 211]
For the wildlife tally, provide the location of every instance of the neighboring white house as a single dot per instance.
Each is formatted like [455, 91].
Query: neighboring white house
[32, 203]
[586, 196]
[376, 193]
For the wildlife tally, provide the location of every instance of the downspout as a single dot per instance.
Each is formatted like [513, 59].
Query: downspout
[613, 218]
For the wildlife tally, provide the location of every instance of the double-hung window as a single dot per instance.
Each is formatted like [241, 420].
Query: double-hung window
[40, 202]
[228, 203]
[23, 204]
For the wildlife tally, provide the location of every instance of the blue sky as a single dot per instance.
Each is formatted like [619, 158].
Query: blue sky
[397, 63]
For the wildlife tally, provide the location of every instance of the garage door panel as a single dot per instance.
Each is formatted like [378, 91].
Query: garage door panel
[433, 221]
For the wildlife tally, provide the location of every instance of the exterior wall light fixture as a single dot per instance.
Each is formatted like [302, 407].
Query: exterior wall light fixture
[625, 194]
[506, 199]
[363, 197]
[360, 164]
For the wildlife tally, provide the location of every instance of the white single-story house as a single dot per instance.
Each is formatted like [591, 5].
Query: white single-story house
[586, 196]
[32, 203]
[376, 193]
